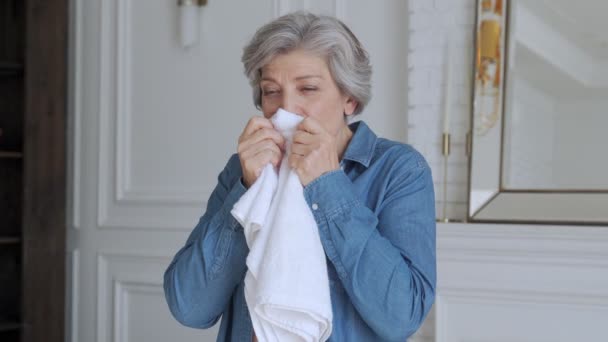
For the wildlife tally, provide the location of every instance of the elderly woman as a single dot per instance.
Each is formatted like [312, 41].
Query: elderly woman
[373, 197]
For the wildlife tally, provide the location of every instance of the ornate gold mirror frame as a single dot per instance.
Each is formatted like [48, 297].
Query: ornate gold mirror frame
[489, 199]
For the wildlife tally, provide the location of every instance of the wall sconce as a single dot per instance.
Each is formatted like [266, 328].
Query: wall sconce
[489, 64]
[189, 21]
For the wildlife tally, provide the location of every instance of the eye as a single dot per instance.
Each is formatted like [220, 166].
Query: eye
[269, 92]
[309, 88]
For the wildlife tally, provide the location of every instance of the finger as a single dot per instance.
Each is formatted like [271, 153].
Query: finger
[256, 157]
[311, 125]
[303, 137]
[299, 164]
[269, 133]
[251, 168]
[269, 156]
[264, 145]
[294, 160]
[254, 124]
[300, 149]
[250, 154]
[263, 134]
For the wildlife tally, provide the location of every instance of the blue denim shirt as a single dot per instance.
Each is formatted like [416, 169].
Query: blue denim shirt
[376, 219]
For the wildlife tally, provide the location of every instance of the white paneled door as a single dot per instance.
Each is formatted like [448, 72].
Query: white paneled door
[152, 125]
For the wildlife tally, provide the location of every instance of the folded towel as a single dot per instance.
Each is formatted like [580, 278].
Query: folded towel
[286, 285]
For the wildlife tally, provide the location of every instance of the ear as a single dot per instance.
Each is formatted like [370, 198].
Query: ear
[350, 105]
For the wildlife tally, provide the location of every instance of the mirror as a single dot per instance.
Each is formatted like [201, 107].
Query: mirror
[540, 112]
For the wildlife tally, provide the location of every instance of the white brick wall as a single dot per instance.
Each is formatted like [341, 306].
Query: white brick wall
[430, 22]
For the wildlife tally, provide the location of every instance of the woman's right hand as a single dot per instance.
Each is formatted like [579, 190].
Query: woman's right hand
[259, 144]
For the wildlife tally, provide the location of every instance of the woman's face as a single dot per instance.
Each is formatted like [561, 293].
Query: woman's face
[300, 82]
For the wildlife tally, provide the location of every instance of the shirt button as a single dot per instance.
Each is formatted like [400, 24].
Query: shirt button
[315, 206]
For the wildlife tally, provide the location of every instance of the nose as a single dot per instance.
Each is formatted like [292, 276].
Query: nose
[292, 104]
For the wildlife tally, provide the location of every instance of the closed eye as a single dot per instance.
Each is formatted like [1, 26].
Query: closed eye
[269, 92]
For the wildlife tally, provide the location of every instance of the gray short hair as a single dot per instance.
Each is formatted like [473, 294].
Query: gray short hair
[326, 36]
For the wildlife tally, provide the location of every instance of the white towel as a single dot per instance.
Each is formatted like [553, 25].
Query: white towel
[286, 285]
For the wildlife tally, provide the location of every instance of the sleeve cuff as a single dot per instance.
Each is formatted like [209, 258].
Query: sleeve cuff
[330, 193]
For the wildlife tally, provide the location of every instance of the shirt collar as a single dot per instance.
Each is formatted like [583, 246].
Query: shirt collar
[361, 146]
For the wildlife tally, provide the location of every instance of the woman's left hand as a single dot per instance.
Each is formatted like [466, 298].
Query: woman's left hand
[313, 151]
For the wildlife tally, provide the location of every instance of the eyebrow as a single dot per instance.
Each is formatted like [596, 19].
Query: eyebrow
[299, 78]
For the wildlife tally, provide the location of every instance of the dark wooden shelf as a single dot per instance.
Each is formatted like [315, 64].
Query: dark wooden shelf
[10, 68]
[33, 69]
[9, 326]
[11, 154]
[9, 240]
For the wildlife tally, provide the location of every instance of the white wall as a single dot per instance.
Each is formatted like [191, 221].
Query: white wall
[521, 283]
[429, 23]
[382, 28]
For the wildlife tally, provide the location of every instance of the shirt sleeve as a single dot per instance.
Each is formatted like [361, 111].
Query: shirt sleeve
[384, 258]
[200, 280]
